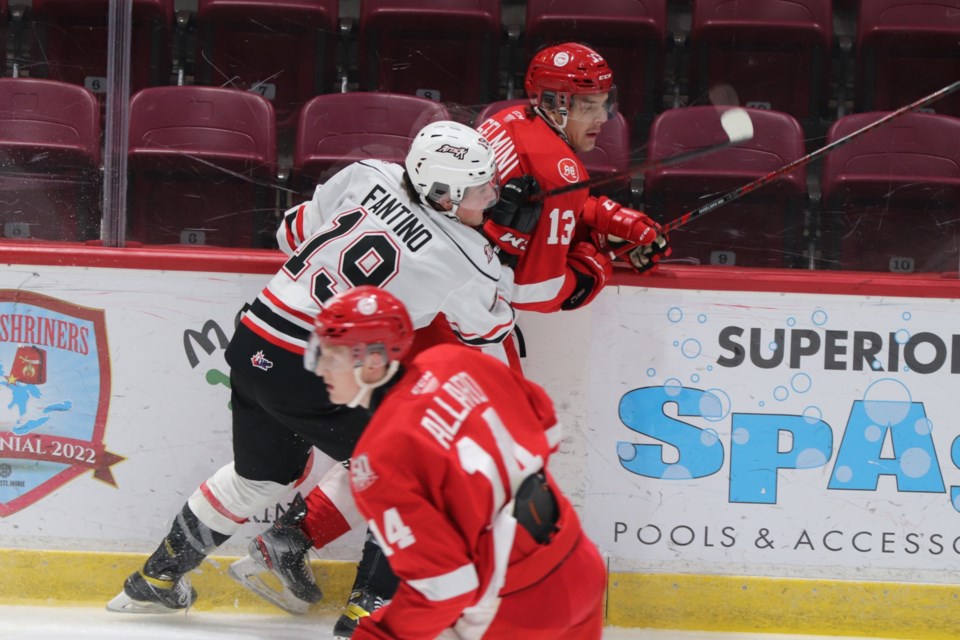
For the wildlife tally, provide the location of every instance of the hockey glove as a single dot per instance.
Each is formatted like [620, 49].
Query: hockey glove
[511, 221]
[592, 270]
[610, 218]
[646, 258]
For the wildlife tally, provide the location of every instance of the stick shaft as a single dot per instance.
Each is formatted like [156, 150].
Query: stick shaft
[739, 192]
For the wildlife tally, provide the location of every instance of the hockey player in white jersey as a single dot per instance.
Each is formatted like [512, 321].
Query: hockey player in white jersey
[407, 230]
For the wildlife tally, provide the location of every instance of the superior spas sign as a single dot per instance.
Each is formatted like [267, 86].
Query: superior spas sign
[741, 427]
[54, 396]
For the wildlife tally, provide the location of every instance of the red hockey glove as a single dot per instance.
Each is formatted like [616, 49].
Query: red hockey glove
[510, 222]
[611, 218]
[592, 269]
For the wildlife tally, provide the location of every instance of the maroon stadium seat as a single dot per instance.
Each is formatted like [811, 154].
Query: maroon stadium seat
[610, 156]
[762, 229]
[444, 50]
[890, 198]
[50, 141]
[286, 50]
[774, 53]
[905, 50]
[340, 128]
[629, 34]
[201, 162]
[72, 42]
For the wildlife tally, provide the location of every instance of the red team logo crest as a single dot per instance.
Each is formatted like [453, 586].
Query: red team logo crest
[54, 397]
[568, 170]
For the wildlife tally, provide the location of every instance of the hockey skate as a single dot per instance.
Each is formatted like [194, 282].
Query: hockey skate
[361, 604]
[276, 568]
[143, 594]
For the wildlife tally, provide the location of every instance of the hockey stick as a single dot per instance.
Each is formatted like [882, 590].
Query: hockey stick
[739, 192]
[736, 125]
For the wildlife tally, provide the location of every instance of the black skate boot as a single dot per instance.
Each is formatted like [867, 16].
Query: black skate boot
[361, 604]
[161, 585]
[282, 552]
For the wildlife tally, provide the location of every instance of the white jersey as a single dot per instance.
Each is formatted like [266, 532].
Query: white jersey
[363, 228]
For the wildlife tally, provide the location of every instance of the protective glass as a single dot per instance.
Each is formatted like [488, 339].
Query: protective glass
[481, 197]
[333, 358]
[591, 107]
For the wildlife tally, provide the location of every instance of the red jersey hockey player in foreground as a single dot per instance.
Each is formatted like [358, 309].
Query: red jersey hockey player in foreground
[452, 477]
[562, 259]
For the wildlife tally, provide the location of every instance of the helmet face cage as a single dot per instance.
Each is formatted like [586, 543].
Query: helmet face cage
[366, 319]
[446, 159]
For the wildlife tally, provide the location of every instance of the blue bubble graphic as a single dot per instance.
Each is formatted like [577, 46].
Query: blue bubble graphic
[887, 402]
[780, 393]
[702, 318]
[872, 433]
[915, 462]
[674, 314]
[691, 348]
[812, 414]
[923, 427]
[676, 343]
[676, 472]
[672, 387]
[626, 451]
[715, 405]
[801, 383]
[810, 459]
[819, 317]
[763, 403]
[791, 321]
[651, 372]
[773, 346]
[695, 377]
[876, 365]
[709, 367]
[902, 336]
[740, 436]
[709, 437]
[843, 474]
[906, 315]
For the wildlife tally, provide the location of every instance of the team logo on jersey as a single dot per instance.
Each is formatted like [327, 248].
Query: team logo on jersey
[568, 170]
[260, 361]
[561, 59]
[457, 152]
[427, 383]
[361, 475]
[54, 397]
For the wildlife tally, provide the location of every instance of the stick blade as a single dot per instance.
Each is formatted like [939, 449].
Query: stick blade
[737, 125]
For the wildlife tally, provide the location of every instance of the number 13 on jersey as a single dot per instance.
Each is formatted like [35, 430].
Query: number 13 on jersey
[561, 226]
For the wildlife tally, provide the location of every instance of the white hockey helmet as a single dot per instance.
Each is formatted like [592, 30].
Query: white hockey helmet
[447, 158]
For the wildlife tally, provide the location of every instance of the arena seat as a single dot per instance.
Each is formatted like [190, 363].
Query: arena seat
[610, 157]
[285, 51]
[629, 34]
[202, 163]
[50, 178]
[72, 44]
[338, 129]
[891, 197]
[762, 229]
[774, 53]
[444, 50]
[907, 49]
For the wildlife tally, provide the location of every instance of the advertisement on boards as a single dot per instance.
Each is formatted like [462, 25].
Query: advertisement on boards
[738, 428]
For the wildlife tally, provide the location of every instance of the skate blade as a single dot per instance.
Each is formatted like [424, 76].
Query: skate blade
[254, 576]
[125, 604]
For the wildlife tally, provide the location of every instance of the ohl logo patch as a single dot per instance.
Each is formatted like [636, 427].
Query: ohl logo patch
[54, 397]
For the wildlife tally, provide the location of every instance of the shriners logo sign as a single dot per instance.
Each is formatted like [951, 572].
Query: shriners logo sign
[54, 397]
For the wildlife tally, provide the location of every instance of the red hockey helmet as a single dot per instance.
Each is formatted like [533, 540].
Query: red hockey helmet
[362, 318]
[556, 73]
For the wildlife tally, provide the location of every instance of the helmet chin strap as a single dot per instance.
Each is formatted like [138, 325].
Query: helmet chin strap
[362, 399]
[559, 128]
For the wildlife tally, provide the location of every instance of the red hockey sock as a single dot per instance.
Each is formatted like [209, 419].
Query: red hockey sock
[324, 522]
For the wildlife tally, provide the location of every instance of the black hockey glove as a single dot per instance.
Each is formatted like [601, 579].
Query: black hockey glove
[510, 222]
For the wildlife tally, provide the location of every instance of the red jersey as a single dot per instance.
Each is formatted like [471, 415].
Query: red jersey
[529, 146]
[435, 473]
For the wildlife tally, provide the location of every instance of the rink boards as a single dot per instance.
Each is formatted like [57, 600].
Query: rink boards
[751, 450]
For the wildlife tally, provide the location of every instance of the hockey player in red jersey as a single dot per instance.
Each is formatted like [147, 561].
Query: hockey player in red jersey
[562, 260]
[452, 475]
[408, 229]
